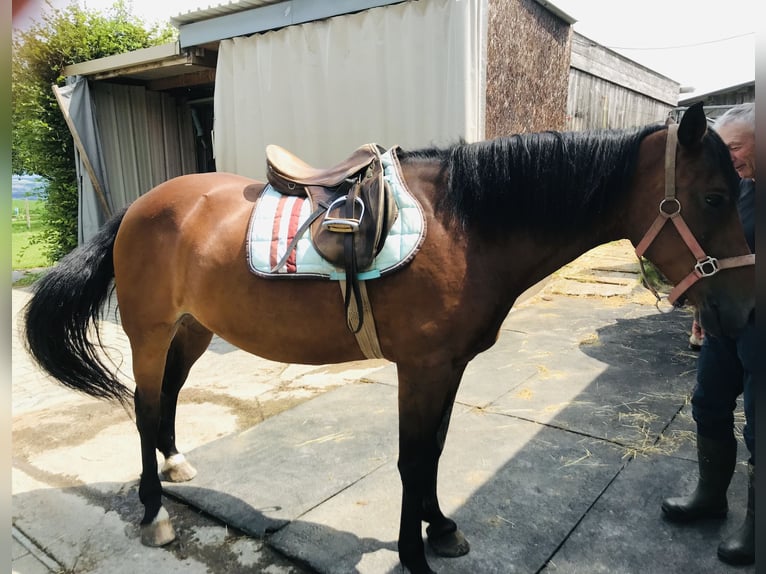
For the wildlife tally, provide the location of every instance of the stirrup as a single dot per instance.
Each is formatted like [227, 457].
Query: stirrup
[343, 224]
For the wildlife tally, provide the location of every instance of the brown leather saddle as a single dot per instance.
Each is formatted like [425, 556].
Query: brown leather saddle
[352, 209]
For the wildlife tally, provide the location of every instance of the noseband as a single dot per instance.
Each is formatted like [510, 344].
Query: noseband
[670, 209]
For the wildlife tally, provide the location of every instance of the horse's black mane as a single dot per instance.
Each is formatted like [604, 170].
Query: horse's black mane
[547, 181]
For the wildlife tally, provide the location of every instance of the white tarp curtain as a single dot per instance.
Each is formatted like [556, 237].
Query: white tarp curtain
[411, 74]
[136, 139]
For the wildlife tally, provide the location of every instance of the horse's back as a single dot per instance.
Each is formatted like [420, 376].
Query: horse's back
[184, 213]
[178, 196]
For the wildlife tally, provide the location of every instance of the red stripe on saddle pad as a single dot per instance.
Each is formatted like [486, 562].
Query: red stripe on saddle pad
[283, 232]
[273, 253]
[295, 221]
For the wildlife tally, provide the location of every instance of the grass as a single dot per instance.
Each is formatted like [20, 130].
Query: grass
[25, 254]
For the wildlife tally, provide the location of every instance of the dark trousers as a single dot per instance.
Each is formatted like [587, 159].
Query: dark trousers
[726, 368]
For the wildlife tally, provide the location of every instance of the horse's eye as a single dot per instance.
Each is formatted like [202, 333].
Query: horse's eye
[714, 200]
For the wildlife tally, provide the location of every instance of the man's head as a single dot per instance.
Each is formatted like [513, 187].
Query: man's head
[737, 129]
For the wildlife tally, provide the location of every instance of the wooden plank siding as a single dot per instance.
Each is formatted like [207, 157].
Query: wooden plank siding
[595, 103]
[607, 90]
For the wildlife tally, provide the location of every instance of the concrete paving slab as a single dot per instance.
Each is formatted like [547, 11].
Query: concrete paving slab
[515, 488]
[355, 531]
[259, 479]
[27, 558]
[621, 375]
[498, 370]
[625, 527]
[679, 439]
[82, 535]
[28, 564]
[93, 529]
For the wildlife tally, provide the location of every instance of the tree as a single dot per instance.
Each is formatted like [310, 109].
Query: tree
[41, 142]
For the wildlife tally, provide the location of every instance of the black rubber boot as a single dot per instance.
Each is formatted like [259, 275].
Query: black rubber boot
[739, 548]
[716, 467]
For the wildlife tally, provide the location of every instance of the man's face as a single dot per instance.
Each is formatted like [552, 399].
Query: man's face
[741, 142]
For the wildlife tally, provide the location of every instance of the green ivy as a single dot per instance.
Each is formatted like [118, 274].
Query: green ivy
[41, 142]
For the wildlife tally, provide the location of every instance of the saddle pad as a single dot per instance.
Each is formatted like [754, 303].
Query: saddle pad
[276, 218]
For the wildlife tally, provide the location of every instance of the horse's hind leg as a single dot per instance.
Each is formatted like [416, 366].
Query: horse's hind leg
[425, 405]
[189, 343]
[149, 354]
[161, 362]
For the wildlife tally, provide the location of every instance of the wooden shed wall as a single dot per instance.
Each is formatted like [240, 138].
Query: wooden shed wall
[607, 90]
[528, 51]
[595, 103]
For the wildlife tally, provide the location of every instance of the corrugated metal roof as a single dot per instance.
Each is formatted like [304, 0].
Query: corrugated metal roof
[242, 19]
[234, 6]
[214, 11]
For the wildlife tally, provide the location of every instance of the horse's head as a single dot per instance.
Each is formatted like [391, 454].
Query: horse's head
[696, 240]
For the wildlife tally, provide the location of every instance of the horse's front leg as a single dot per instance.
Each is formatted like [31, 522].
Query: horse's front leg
[426, 397]
[444, 537]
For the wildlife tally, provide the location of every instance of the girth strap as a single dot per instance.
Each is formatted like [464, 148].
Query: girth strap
[367, 334]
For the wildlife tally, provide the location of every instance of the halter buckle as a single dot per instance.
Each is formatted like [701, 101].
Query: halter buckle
[707, 267]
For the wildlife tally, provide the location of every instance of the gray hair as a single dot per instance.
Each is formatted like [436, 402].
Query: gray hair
[743, 114]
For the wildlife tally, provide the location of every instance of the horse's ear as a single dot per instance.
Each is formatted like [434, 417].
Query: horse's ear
[670, 120]
[693, 126]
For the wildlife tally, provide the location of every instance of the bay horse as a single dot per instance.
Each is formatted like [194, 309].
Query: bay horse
[501, 215]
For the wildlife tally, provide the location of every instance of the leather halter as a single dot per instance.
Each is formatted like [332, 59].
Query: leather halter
[670, 209]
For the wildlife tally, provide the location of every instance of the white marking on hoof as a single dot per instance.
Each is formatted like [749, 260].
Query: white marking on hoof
[159, 532]
[178, 469]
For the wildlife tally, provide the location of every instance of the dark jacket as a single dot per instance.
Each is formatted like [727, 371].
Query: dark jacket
[746, 207]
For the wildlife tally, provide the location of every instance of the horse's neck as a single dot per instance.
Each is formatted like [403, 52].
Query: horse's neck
[528, 259]
[519, 259]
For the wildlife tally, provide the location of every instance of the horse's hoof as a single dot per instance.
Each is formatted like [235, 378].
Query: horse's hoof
[178, 469]
[449, 544]
[159, 531]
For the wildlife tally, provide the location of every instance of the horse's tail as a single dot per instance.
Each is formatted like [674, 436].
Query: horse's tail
[64, 312]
